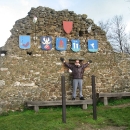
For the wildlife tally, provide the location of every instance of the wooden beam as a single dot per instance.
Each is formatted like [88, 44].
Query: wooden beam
[119, 94]
[37, 104]
[59, 102]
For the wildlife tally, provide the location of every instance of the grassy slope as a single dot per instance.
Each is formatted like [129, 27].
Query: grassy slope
[50, 118]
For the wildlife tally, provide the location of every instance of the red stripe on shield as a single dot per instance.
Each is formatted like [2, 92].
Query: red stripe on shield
[67, 25]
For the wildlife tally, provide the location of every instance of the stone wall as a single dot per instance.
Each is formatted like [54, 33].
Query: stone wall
[38, 76]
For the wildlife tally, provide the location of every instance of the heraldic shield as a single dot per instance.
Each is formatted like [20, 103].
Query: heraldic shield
[75, 45]
[46, 43]
[24, 42]
[67, 25]
[61, 43]
[93, 45]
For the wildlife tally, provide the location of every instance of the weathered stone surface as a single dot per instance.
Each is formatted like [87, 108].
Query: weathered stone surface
[2, 83]
[38, 76]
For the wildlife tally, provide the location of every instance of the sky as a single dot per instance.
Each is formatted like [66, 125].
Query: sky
[97, 10]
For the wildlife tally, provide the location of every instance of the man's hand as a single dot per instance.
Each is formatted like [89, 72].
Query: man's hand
[62, 59]
[90, 61]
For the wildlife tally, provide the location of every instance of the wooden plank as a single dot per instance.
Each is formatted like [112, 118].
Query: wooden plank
[105, 101]
[84, 106]
[36, 108]
[120, 94]
[125, 94]
[106, 95]
[59, 102]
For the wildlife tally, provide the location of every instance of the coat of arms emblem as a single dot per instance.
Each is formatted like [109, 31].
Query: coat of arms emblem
[61, 43]
[67, 25]
[75, 45]
[24, 42]
[46, 43]
[93, 45]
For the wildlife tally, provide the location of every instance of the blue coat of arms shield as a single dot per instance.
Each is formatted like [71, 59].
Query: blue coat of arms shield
[61, 43]
[75, 45]
[93, 45]
[24, 42]
[46, 43]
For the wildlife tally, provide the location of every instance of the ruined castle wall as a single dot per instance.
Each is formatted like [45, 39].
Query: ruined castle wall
[38, 76]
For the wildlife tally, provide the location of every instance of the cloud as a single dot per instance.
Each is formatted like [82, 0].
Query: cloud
[7, 15]
[66, 4]
[96, 10]
[128, 27]
[28, 4]
[24, 2]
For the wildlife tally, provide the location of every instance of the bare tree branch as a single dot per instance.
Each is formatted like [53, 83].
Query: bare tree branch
[115, 32]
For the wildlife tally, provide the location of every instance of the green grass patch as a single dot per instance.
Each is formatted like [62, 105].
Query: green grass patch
[50, 118]
[118, 101]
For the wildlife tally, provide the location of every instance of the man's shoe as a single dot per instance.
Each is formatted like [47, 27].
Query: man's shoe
[73, 98]
[82, 98]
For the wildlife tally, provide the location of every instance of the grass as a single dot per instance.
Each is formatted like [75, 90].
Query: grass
[50, 118]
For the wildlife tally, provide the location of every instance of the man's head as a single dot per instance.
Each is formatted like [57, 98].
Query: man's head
[77, 62]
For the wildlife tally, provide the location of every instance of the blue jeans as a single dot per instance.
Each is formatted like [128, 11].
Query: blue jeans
[76, 83]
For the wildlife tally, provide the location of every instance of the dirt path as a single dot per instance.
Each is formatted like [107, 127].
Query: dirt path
[121, 106]
[90, 127]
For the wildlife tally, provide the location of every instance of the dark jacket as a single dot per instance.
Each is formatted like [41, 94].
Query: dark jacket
[77, 71]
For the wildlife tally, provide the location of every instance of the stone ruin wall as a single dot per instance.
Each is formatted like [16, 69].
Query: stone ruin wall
[38, 76]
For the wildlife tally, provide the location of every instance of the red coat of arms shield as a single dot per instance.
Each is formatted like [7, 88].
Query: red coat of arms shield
[67, 25]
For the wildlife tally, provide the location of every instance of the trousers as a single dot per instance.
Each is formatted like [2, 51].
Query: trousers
[77, 83]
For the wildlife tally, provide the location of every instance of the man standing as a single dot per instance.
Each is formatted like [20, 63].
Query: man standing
[77, 73]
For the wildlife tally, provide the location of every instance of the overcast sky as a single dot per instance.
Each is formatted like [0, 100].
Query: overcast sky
[97, 10]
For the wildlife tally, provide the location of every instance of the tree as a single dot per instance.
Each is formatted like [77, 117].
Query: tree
[127, 45]
[105, 26]
[115, 32]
